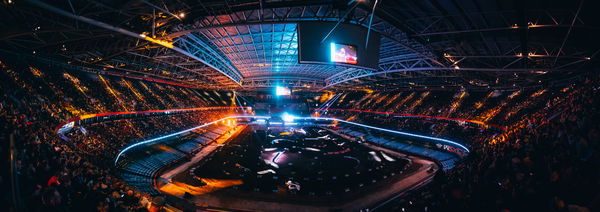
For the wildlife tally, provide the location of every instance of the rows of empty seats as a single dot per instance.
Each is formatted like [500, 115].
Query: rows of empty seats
[446, 159]
[140, 182]
[142, 164]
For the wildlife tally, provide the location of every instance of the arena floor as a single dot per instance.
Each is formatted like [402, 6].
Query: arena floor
[300, 168]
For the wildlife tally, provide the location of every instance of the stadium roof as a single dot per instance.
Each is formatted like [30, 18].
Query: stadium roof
[248, 44]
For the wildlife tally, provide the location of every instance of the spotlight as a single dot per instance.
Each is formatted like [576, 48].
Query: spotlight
[287, 117]
[182, 15]
[282, 91]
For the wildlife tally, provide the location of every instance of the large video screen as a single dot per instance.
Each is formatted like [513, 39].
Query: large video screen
[341, 53]
[345, 46]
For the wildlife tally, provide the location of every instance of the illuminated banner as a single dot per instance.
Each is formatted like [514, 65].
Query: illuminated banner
[452, 149]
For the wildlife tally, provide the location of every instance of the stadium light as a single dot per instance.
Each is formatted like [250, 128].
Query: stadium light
[286, 117]
[282, 91]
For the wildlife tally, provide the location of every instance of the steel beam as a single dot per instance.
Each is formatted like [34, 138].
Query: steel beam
[199, 55]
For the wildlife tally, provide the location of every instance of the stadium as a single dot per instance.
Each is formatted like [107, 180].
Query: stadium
[300, 105]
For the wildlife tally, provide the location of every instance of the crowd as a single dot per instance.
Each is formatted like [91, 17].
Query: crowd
[492, 107]
[73, 172]
[546, 160]
[551, 164]
[434, 127]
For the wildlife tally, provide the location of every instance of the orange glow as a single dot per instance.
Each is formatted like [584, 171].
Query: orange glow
[422, 116]
[418, 102]
[326, 96]
[491, 113]
[342, 99]
[539, 93]
[514, 94]
[351, 118]
[224, 138]
[165, 148]
[178, 188]
[152, 92]
[403, 101]
[484, 100]
[76, 83]
[150, 111]
[159, 42]
[111, 91]
[393, 99]
[365, 97]
[132, 89]
[334, 123]
[36, 72]
[457, 100]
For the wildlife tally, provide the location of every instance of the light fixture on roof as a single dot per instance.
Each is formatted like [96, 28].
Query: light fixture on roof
[182, 15]
[456, 67]
[539, 72]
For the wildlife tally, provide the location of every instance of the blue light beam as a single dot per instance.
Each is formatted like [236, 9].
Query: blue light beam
[179, 133]
[314, 118]
[393, 131]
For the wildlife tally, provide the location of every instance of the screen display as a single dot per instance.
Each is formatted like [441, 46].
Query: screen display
[315, 47]
[341, 53]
